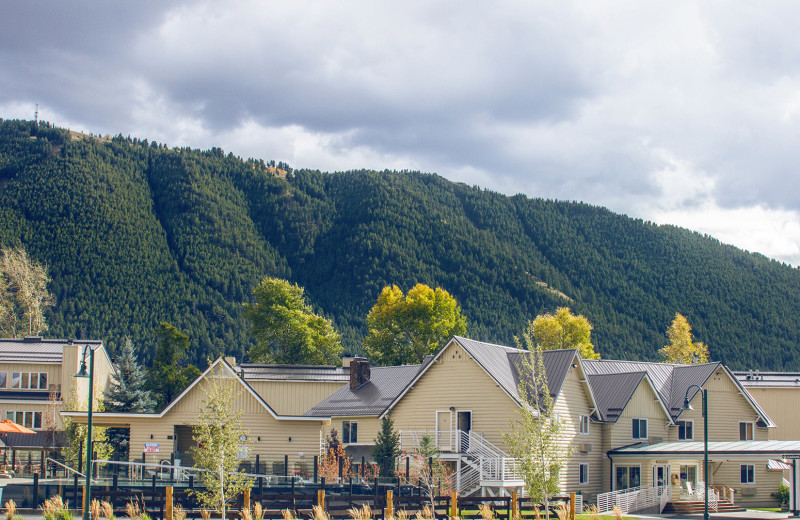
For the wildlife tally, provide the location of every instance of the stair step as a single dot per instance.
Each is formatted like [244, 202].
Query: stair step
[697, 507]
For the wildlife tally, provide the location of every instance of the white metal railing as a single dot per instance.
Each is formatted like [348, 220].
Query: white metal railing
[67, 468]
[579, 504]
[666, 496]
[469, 479]
[500, 468]
[632, 499]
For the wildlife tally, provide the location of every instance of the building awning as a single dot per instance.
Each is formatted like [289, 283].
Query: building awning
[39, 440]
[777, 465]
[752, 449]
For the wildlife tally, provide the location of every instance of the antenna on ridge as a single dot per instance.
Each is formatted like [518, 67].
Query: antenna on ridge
[36, 115]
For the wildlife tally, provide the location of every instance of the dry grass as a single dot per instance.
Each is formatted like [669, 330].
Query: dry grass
[205, 514]
[287, 514]
[562, 512]
[364, 513]
[246, 515]
[133, 510]
[94, 509]
[258, 511]
[401, 515]
[592, 512]
[107, 510]
[11, 510]
[487, 513]
[617, 513]
[425, 514]
[178, 513]
[53, 506]
[319, 513]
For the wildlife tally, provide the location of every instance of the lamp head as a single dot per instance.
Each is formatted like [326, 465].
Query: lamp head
[686, 404]
[83, 372]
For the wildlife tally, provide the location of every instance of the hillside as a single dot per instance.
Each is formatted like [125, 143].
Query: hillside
[135, 233]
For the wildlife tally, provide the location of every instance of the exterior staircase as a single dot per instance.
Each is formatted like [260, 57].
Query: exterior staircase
[480, 465]
[692, 507]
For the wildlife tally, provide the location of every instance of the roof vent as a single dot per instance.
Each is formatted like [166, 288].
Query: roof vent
[32, 339]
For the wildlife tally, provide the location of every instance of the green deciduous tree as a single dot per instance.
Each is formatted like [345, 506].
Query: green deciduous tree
[386, 448]
[682, 348]
[23, 293]
[170, 372]
[564, 330]
[218, 434]
[286, 329]
[403, 329]
[534, 438]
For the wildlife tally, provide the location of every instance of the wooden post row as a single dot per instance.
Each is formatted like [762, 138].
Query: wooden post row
[389, 504]
[321, 498]
[453, 504]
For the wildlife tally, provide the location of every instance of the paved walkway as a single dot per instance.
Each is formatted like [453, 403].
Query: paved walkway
[750, 514]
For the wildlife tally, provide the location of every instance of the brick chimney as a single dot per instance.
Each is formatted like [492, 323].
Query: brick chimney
[359, 372]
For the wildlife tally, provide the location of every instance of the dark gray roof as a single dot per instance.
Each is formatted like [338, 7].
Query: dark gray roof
[38, 440]
[261, 372]
[35, 349]
[671, 381]
[371, 398]
[504, 364]
[613, 391]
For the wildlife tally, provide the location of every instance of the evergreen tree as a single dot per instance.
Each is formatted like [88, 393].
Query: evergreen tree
[386, 448]
[127, 392]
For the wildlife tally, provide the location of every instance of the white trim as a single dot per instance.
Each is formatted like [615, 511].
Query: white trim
[580, 424]
[614, 474]
[754, 474]
[752, 431]
[29, 401]
[586, 482]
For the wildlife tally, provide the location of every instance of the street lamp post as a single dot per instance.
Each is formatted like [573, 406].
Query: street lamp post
[688, 406]
[82, 373]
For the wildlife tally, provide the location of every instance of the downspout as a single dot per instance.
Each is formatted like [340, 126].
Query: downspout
[611, 471]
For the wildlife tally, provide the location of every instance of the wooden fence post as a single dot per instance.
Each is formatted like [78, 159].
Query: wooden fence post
[572, 506]
[246, 501]
[389, 513]
[514, 505]
[321, 498]
[168, 504]
[453, 504]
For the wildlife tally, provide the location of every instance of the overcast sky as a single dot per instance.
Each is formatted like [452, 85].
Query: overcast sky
[677, 112]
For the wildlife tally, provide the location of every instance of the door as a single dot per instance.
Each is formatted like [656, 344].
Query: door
[444, 430]
[660, 475]
[464, 421]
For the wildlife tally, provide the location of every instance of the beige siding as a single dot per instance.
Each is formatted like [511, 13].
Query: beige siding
[456, 381]
[268, 437]
[572, 402]
[782, 405]
[294, 397]
[368, 428]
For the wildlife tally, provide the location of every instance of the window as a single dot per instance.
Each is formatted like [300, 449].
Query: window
[349, 432]
[639, 429]
[745, 431]
[29, 380]
[748, 474]
[584, 425]
[628, 477]
[583, 473]
[26, 419]
[3, 376]
[685, 430]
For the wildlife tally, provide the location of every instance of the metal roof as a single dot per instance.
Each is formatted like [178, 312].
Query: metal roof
[613, 391]
[371, 398]
[771, 449]
[35, 349]
[260, 372]
[760, 379]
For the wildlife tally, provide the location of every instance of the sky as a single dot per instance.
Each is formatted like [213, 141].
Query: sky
[684, 113]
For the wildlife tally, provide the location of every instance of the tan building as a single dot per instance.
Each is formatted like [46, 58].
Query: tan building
[778, 394]
[37, 382]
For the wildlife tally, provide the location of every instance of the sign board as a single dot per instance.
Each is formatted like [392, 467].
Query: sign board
[151, 447]
[789, 457]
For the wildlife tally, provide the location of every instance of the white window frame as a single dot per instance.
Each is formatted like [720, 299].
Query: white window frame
[751, 468]
[750, 427]
[638, 466]
[583, 473]
[5, 379]
[29, 377]
[638, 433]
[26, 418]
[583, 424]
[684, 422]
[347, 426]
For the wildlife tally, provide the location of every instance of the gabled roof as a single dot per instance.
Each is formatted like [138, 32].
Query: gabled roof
[35, 349]
[503, 364]
[371, 398]
[613, 391]
[220, 362]
[670, 381]
[758, 379]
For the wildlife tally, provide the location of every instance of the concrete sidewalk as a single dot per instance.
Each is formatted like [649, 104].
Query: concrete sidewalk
[750, 514]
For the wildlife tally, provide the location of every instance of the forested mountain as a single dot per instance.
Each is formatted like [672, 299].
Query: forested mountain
[135, 233]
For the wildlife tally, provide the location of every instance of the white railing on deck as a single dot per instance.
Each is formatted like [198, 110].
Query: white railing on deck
[632, 499]
[666, 495]
[500, 468]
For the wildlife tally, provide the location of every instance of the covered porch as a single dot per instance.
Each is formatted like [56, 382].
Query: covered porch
[742, 473]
